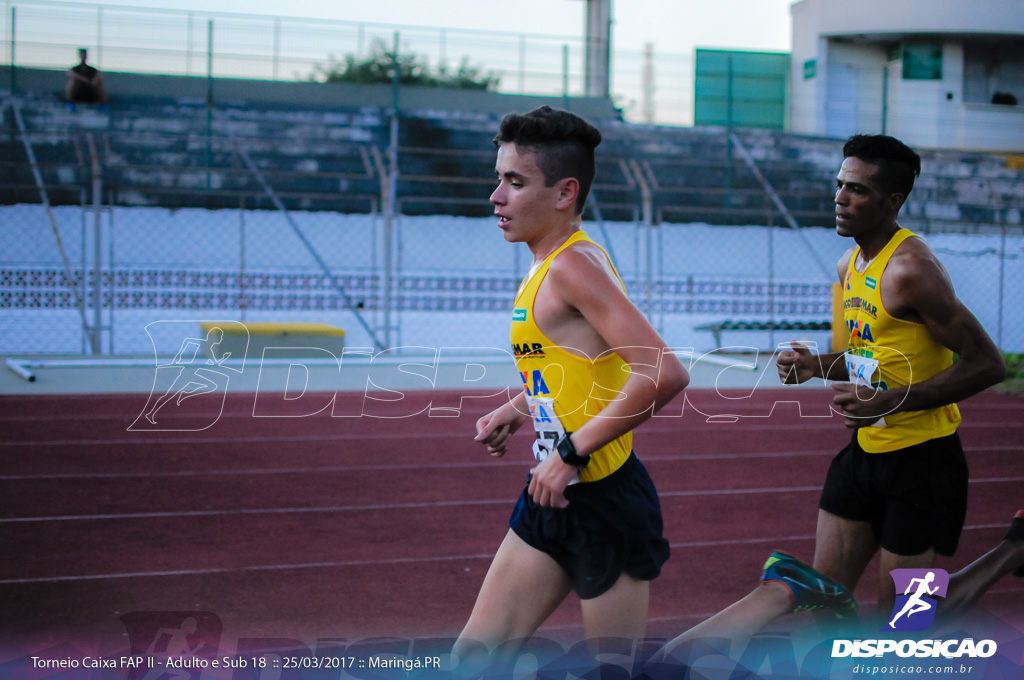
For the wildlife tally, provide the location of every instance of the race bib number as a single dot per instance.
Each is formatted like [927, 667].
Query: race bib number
[860, 370]
[546, 424]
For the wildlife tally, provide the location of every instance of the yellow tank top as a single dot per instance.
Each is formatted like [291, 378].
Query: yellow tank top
[579, 387]
[906, 353]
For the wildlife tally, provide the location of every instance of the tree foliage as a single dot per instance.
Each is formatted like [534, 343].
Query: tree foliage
[378, 67]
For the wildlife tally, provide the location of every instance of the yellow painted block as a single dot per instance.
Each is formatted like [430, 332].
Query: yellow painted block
[839, 335]
[288, 339]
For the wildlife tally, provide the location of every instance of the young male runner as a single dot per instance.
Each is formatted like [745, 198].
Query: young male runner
[900, 487]
[593, 369]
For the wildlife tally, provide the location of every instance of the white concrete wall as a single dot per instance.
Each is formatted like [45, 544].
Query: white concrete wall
[865, 17]
[806, 94]
[984, 126]
[850, 43]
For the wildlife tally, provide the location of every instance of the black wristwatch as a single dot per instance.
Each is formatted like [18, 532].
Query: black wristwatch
[567, 452]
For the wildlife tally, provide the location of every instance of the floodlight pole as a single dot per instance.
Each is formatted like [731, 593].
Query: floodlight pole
[14, 41]
[209, 105]
[598, 51]
[390, 205]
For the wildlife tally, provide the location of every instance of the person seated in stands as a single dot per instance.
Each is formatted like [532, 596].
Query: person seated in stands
[85, 83]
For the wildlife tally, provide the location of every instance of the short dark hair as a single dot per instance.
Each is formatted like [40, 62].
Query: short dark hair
[898, 164]
[564, 144]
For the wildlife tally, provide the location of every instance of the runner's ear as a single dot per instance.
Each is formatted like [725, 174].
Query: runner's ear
[568, 193]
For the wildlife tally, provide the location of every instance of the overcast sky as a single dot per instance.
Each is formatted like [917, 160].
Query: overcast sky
[672, 25]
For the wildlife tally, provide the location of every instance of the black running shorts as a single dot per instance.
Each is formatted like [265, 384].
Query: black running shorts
[611, 526]
[914, 498]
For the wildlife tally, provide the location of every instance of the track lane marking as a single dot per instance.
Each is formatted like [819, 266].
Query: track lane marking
[417, 505]
[754, 455]
[396, 560]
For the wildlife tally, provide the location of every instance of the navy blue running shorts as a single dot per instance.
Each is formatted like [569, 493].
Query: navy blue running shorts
[611, 526]
[914, 498]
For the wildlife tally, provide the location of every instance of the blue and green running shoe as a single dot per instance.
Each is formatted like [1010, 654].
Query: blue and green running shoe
[810, 589]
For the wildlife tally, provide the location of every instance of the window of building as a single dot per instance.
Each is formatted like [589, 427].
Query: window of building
[994, 73]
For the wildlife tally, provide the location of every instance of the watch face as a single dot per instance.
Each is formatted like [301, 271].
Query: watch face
[568, 453]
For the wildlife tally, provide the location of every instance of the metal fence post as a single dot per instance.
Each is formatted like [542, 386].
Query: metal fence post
[729, 134]
[243, 302]
[188, 47]
[647, 86]
[885, 98]
[522, 64]
[565, 74]
[14, 41]
[209, 100]
[390, 207]
[771, 283]
[1002, 284]
[647, 210]
[277, 44]
[209, 62]
[97, 249]
[113, 276]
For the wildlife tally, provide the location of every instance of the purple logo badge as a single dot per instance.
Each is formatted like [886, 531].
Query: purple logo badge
[916, 593]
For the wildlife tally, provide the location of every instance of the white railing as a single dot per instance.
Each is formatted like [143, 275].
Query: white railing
[48, 33]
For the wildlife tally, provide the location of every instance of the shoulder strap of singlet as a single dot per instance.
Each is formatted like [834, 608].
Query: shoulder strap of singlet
[901, 235]
[541, 269]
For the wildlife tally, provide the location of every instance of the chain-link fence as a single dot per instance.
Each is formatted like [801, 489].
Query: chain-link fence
[451, 283]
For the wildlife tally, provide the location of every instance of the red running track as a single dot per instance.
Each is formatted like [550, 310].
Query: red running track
[317, 527]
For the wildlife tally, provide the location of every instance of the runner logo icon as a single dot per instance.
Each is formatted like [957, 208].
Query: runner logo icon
[914, 609]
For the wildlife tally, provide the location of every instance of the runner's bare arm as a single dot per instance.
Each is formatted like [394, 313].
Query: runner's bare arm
[494, 429]
[589, 291]
[798, 365]
[585, 284]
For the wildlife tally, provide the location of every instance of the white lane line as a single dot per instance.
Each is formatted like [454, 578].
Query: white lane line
[380, 562]
[683, 458]
[463, 435]
[415, 506]
[735, 404]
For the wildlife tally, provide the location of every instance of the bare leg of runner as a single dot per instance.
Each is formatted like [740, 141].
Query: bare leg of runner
[522, 588]
[970, 583]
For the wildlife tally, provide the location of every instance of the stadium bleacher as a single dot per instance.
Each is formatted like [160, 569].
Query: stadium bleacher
[177, 152]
